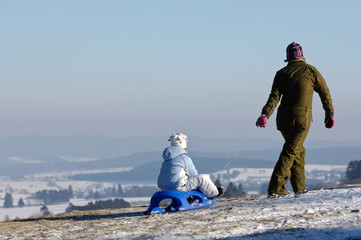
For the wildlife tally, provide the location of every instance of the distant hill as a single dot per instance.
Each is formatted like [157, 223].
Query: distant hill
[206, 163]
[150, 171]
[18, 169]
[331, 156]
[51, 148]
[20, 156]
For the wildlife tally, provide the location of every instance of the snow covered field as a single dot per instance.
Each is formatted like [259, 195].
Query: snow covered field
[319, 214]
[31, 184]
[312, 171]
[24, 189]
[34, 211]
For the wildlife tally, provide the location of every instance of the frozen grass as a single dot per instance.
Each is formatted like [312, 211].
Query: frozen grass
[322, 214]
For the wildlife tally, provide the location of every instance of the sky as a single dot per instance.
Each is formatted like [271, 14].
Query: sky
[150, 68]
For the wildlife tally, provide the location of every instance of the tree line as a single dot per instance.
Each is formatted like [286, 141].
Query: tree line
[118, 191]
[232, 190]
[353, 175]
[100, 204]
[353, 172]
[61, 196]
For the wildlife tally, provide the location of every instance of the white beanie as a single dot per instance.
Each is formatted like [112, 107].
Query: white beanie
[178, 140]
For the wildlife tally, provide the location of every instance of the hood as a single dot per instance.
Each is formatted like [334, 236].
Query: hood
[172, 152]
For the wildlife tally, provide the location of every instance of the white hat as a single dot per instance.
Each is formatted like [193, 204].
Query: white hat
[178, 140]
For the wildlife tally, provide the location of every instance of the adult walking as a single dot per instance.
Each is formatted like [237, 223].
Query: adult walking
[294, 86]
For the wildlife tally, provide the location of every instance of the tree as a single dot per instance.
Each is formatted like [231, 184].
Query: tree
[52, 196]
[8, 203]
[21, 203]
[42, 195]
[114, 191]
[70, 190]
[45, 211]
[231, 190]
[69, 208]
[136, 191]
[116, 203]
[96, 195]
[353, 171]
[240, 190]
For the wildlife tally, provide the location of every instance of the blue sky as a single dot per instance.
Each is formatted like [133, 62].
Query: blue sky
[150, 68]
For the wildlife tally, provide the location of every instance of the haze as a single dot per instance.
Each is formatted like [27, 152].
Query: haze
[150, 68]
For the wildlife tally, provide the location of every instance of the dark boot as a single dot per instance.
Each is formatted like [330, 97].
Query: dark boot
[297, 194]
[220, 191]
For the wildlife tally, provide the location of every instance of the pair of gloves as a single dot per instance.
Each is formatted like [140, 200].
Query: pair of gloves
[262, 121]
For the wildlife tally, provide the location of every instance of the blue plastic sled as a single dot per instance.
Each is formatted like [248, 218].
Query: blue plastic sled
[179, 201]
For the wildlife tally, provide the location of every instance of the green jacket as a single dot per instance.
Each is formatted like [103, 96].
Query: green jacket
[295, 83]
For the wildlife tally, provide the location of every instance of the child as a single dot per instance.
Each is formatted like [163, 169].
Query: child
[179, 173]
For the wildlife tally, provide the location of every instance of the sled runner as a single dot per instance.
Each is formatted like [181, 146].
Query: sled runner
[180, 201]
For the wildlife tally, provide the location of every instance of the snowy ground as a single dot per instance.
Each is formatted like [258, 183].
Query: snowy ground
[321, 214]
[31, 184]
[34, 211]
[24, 189]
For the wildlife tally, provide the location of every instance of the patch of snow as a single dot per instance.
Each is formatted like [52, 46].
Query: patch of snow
[78, 159]
[23, 160]
[254, 178]
[32, 211]
[320, 214]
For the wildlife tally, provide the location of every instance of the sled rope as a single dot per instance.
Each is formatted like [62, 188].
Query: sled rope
[240, 148]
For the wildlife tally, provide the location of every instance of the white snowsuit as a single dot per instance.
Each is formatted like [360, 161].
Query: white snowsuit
[179, 173]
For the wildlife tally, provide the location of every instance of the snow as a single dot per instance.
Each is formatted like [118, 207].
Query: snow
[320, 214]
[34, 211]
[24, 189]
[253, 179]
[312, 171]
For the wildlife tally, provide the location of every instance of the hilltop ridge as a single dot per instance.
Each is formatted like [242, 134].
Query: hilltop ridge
[319, 214]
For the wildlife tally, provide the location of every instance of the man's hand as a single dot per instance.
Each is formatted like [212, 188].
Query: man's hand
[261, 121]
[329, 122]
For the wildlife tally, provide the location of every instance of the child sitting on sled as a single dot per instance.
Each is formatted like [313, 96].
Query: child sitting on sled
[179, 173]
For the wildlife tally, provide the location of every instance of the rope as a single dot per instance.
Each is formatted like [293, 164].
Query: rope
[240, 148]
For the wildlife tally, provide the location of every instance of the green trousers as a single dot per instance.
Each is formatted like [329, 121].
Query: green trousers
[291, 162]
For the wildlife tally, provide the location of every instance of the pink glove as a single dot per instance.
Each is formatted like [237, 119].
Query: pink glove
[329, 122]
[261, 121]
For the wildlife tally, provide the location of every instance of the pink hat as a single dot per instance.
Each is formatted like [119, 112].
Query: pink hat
[294, 51]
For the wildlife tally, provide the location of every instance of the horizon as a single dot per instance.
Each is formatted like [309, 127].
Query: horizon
[96, 146]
